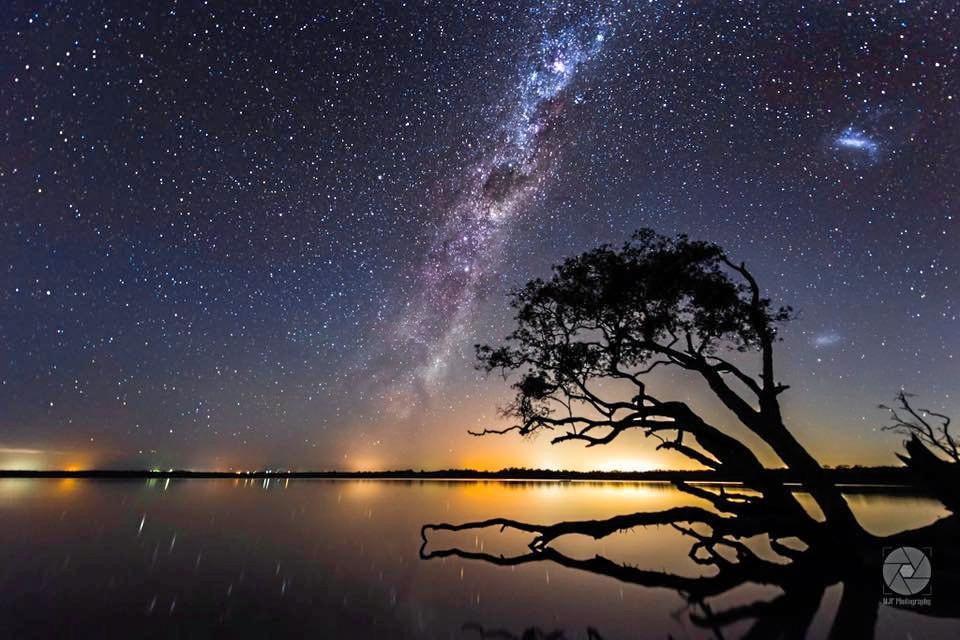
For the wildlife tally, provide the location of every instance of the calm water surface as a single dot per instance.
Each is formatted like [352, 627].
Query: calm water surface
[327, 559]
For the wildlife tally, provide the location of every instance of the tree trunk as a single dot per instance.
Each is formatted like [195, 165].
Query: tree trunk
[839, 516]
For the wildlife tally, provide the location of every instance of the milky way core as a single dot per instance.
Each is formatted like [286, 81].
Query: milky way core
[469, 245]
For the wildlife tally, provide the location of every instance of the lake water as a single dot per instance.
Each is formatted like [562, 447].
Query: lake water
[340, 558]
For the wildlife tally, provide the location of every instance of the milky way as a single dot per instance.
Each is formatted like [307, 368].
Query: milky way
[495, 190]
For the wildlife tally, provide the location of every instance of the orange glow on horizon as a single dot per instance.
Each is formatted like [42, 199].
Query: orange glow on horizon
[481, 463]
[626, 464]
[363, 464]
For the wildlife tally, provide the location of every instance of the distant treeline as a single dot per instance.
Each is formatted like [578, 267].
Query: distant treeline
[840, 475]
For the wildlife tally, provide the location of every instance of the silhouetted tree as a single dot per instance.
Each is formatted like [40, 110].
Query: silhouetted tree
[602, 323]
[928, 426]
[929, 443]
[616, 315]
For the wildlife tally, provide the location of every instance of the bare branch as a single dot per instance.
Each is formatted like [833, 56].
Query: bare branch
[723, 366]
[498, 432]
[907, 420]
[593, 528]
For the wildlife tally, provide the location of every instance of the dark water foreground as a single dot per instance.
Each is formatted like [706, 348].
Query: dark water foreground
[339, 559]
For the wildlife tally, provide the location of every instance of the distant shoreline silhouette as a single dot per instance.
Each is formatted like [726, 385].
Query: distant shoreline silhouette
[842, 476]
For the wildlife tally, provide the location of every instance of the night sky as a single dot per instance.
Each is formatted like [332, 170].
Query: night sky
[239, 235]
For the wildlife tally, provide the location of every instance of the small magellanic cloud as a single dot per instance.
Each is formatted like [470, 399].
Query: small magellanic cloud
[855, 141]
[826, 339]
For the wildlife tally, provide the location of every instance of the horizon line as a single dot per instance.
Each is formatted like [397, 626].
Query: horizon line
[411, 471]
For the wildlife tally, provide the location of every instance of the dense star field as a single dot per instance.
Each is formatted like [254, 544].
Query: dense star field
[255, 234]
